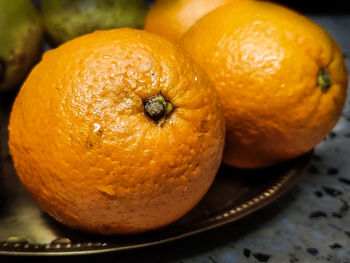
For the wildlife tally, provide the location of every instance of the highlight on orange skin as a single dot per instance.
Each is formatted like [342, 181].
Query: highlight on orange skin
[172, 18]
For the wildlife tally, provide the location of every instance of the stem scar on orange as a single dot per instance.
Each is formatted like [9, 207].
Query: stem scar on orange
[281, 78]
[117, 132]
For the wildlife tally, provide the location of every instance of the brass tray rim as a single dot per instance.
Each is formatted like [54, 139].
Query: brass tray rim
[274, 192]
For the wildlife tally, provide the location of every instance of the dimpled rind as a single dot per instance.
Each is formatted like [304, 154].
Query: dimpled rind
[264, 60]
[86, 151]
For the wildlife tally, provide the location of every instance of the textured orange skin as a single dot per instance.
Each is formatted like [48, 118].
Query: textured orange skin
[86, 151]
[264, 60]
[172, 18]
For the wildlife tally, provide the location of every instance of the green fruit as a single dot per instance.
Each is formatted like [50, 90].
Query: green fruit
[67, 19]
[21, 39]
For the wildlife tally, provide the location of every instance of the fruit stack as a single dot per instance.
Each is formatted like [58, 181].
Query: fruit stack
[123, 130]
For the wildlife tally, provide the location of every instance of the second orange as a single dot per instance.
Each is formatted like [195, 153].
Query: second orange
[171, 19]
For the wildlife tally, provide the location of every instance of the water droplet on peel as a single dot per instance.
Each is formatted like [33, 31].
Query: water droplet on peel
[96, 127]
[195, 79]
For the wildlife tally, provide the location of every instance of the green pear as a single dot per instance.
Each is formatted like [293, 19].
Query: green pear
[21, 40]
[67, 19]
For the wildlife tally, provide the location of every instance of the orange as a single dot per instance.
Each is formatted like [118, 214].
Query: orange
[117, 132]
[281, 79]
[172, 18]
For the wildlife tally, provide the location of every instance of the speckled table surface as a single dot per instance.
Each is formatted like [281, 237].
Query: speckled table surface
[312, 222]
[309, 224]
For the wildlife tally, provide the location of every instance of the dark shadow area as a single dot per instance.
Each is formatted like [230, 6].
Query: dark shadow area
[317, 6]
[309, 6]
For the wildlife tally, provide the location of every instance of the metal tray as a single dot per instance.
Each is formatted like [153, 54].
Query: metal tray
[27, 230]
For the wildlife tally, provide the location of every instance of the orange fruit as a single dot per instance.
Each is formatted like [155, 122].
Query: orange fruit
[281, 79]
[171, 19]
[117, 132]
